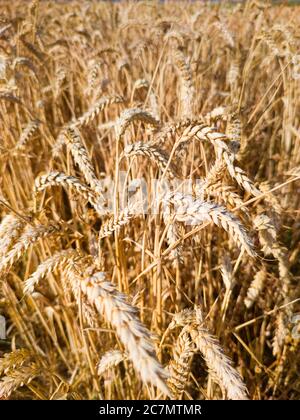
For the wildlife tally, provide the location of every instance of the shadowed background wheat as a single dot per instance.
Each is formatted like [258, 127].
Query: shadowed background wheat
[198, 300]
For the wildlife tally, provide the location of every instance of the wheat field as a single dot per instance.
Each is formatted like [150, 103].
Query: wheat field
[149, 200]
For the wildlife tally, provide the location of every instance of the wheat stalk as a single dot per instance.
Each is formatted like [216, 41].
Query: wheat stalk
[30, 235]
[18, 378]
[204, 132]
[179, 366]
[240, 176]
[10, 229]
[123, 317]
[59, 259]
[151, 152]
[134, 114]
[27, 133]
[14, 360]
[109, 360]
[194, 212]
[227, 35]
[187, 89]
[81, 157]
[170, 129]
[55, 178]
[255, 288]
[114, 224]
[219, 365]
[98, 106]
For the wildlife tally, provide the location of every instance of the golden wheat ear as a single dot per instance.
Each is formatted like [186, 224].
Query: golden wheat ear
[219, 365]
[112, 305]
[194, 212]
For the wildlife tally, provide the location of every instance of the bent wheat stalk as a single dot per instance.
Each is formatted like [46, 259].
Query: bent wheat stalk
[114, 224]
[98, 106]
[240, 176]
[194, 212]
[219, 365]
[55, 178]
[112, 305]
[10, 229]
[204, 132]
[30, 235]
[81, 157]
[134, 114]
[59, 259]
[110, 360]
[151, 152]
[170, 129]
